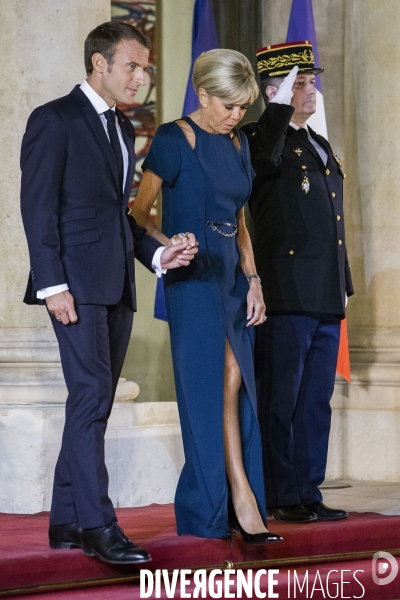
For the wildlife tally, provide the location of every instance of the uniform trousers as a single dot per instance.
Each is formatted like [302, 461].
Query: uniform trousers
[295, 364]
[92, 355]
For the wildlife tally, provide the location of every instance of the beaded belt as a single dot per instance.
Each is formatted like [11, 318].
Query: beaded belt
[214, 226]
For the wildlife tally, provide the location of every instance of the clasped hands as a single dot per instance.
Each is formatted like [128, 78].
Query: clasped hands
[179, 252]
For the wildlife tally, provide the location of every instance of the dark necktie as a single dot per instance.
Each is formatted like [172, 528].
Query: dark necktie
[115, 145]
[303, 132]
[323, 155]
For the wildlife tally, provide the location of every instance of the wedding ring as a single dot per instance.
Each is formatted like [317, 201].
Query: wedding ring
[181, 235]
[58, 318]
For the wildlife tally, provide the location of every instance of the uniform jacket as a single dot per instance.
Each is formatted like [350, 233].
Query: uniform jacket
[76, 222]
[297, 208]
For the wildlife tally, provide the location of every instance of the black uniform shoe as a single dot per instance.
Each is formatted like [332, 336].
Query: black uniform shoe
[293, 513]
[112, 546]
[326, 514]
[65, 537]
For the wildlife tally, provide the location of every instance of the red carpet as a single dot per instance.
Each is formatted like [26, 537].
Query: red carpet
[26, 560]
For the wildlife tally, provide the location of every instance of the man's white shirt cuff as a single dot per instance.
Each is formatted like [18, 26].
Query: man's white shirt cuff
[56, 289]
[50, 291]
[156, 262]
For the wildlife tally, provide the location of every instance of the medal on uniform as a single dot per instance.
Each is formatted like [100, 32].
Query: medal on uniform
[305, 184]
[298, 151]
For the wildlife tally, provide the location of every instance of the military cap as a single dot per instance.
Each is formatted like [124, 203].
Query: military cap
[279, 60]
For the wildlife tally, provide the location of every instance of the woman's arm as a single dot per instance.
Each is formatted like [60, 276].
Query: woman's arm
[255, 300]
[148, 190]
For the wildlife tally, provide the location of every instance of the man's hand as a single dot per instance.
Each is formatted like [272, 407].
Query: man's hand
[284, 93]
[255, 304]
[179, 252]
[62, 306]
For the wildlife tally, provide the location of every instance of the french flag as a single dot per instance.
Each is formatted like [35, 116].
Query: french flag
[204, 38]
[302, 27]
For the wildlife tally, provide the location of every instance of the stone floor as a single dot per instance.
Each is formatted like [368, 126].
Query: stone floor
[363, 496]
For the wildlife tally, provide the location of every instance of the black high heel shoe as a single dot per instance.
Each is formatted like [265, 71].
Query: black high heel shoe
[266, 537]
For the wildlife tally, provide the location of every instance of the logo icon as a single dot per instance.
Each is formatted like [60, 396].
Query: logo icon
[382, 567]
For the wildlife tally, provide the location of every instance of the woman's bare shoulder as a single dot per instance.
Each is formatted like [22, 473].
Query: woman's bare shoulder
[188, 132]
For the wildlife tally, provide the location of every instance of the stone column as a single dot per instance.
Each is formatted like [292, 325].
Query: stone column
[368, 430]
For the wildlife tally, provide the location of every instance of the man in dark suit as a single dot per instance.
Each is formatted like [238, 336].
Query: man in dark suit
[300, 254]
[77, 165]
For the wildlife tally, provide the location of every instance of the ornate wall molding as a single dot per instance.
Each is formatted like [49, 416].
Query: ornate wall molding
[375, 356]
[30, 369]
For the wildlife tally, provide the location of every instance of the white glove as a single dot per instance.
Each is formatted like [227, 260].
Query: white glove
[284, 93]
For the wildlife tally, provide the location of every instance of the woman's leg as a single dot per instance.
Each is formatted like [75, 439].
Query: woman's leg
[243, 498]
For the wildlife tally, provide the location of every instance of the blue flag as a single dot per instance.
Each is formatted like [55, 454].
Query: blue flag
[302, 27]
[204, 37]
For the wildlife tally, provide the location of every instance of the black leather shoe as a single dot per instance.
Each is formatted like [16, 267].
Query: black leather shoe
[324, 513]
[65, 537]
[112, 546]
[293, 513]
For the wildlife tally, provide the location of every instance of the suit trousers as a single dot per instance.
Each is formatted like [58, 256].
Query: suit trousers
[92, 355]
[295, 366]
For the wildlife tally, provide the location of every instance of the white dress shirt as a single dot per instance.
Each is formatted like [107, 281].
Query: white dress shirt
[100, 106]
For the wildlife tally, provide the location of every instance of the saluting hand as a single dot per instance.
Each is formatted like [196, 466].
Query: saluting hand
[284, 93]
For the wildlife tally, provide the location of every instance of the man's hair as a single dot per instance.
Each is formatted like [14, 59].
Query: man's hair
[105, 38]
[274, 81]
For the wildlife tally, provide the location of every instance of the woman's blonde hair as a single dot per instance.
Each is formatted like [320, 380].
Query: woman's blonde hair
[226, 74]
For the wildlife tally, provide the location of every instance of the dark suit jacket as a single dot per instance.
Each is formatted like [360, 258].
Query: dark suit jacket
[299, 241]
[75, 220]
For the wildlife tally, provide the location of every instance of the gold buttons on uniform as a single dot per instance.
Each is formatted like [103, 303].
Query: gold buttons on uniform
[303, 166]
[333, 195]
[291, 251]
[338, 217]
[340, 242]
[328, 172]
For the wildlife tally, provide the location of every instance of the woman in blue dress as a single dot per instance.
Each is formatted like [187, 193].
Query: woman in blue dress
[202, 164]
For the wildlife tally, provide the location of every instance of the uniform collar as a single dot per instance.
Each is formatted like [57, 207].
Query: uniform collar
[296, 127]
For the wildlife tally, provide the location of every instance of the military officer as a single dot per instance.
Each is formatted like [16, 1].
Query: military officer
[300, 253]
